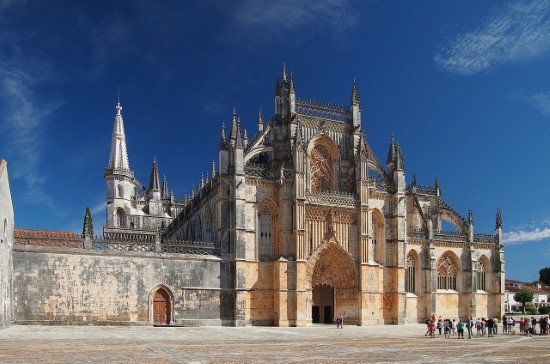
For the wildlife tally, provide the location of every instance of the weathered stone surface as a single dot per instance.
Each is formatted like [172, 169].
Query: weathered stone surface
[6, 246]
[68, 286]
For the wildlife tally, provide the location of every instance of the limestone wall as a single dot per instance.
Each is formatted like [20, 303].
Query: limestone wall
[74, 286]
[6, 244]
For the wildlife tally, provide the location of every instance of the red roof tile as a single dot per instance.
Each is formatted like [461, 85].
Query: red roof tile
[47, 238]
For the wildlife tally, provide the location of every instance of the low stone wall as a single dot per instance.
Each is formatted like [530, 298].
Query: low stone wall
[88, 287]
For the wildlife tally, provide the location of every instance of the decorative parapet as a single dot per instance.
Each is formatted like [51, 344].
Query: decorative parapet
[120, 172]
[450, 236]
[332, 198]
[189, 247]
[323, 110]
[262, 171]
[422, 190]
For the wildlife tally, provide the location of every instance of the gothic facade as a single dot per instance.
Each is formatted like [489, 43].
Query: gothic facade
[310, 225]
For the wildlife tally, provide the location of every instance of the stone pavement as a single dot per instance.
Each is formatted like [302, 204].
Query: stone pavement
[316, 344]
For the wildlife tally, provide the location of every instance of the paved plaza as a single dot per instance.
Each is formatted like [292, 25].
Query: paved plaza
[316, 344]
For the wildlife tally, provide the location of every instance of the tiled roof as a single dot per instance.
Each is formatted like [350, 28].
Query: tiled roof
[510, 288]
[47, 238]
[510, 281]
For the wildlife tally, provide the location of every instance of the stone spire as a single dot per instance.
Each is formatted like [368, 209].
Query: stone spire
[354, 94]
[498, 228]
[164, 192]
[399, 163]
[154, 182]
[292, 90]
[118, 158]
[260, 120]
[355, 106]
[238, 138]
[223, 139]
[233, 132]
[284, 80]
[245, 139]
[392, 153]
[395, 157]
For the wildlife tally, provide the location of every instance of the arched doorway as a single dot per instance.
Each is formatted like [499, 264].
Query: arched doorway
[322, 305]
[332, 285]
[162, 306]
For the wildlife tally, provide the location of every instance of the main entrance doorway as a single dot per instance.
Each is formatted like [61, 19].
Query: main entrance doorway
[161, 307]
[322, 309]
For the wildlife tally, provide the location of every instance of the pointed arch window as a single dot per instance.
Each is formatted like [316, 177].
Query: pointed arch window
[265, 221]
[321, 169]
[120, 218]
[377, 247]
[481, 275]
[120, 191]
[410, 274]
[446, 272]
[207, 226]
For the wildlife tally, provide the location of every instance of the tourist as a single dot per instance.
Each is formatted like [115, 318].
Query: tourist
[341, 322]
[432, 328]
[460, 329]
[447, 328]
[521, 325]
[495, 325]
[527, 327]
[453, 327]
[490, 324]
[427, 327]
[469, 325]
[478, 327]
[440, 326]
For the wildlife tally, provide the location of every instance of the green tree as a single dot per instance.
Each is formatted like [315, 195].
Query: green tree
[88, 226]
[524, 296]
[544, 275]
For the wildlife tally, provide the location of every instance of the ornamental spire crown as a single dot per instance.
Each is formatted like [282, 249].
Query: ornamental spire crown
[118, 158]
[154, 183]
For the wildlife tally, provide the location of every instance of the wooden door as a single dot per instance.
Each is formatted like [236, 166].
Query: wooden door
[161, 307]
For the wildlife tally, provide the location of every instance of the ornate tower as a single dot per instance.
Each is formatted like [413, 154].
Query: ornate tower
[119, 176]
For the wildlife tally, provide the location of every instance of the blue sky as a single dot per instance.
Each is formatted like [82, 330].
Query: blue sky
[463, 85]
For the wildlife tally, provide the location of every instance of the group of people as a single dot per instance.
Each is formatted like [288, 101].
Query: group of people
[486, 327]
[527, 326]
[449, 328]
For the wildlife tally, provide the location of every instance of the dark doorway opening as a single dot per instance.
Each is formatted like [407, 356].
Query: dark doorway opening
[322, 309]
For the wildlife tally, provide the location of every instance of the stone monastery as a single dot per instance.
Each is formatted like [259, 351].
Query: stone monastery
[298, 225]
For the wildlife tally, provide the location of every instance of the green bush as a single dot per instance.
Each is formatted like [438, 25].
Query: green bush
[531, 310]
[544, 310]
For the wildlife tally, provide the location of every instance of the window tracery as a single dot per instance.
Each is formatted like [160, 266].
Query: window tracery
[481, 275]
[265, 220]
[446, 272]
[321, 169]
[410, 274]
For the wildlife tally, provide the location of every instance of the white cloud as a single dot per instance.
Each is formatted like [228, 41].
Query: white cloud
[521, 236]
[519, 31]
[23, 117]
[542, 102]
[263, 19]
